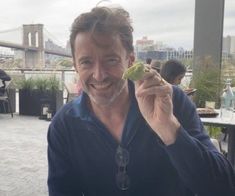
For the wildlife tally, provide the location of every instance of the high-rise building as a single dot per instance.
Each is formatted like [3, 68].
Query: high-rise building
[232, 47]
[144, 44]
[229, 44]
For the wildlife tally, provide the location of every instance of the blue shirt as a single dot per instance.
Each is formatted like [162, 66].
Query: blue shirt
[81, 155]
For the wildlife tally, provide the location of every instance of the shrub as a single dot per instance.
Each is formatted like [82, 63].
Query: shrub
[207, 82]
[26, 83]
[40, 83]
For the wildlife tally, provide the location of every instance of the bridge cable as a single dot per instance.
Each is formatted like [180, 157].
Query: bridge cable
[54, 38]
[10, 30]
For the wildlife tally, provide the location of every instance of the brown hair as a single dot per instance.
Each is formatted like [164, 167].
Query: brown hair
[106, 21]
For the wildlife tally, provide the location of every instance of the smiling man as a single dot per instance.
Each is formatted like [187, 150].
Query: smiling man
[122, 138]
[100, 61]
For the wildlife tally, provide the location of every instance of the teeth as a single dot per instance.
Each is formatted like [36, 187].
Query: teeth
[101, 86]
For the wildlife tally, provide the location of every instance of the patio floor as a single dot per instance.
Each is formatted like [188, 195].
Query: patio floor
[23, 156]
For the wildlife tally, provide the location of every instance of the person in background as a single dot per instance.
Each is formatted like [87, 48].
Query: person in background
[173, 71]
[121, 137]
[155, 64]
[3, 77]
[148, 61]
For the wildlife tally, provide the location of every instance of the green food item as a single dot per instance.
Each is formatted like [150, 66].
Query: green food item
[135, 72]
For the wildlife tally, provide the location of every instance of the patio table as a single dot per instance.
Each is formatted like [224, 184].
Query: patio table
[230, 125]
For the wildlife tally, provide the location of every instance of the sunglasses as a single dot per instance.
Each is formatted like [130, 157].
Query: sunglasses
[122, 160]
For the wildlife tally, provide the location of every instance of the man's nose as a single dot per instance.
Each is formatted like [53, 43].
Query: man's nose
[99, 73]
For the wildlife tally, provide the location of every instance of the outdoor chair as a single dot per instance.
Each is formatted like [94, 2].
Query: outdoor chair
[4, 98]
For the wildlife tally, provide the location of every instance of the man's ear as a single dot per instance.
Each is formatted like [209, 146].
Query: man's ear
[131, 59]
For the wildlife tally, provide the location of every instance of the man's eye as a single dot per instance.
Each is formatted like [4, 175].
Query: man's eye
[112, 61]
[87, 62]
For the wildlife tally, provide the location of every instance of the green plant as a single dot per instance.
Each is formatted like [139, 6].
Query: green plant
[26, 84]
[228, 71]
[41, 83]
[213, 132]
[207, 82]
[65, 62]
[53, 83]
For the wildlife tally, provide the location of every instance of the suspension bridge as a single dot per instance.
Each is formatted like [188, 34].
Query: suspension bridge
[34, 41]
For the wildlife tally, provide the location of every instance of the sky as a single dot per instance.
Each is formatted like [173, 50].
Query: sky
[168, 21]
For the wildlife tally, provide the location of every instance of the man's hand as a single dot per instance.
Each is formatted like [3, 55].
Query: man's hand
[154, 96]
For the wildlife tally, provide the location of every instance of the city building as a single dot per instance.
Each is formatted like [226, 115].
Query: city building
[144, 44]
[229, 47]
[51, 60]
[6, 56]
[229, 44]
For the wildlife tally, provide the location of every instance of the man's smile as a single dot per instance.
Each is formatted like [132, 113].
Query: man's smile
[101, 86]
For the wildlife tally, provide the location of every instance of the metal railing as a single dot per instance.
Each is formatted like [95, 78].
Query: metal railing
[65, 75]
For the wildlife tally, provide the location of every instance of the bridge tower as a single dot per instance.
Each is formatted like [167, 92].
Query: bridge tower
[33, 40]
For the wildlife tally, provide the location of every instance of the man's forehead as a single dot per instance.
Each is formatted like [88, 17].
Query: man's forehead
[111, 45]
[98, 39]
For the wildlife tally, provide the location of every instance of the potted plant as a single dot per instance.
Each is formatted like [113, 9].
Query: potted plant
[34, 92]
[52, 94]
[26, 100]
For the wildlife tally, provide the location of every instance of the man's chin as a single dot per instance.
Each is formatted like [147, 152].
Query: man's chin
[106, 98]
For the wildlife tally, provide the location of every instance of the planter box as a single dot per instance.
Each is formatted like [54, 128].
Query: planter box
[12, 98]
[30, 101]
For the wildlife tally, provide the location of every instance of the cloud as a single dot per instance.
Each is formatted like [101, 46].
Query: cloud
[166, 24]
[171, 22]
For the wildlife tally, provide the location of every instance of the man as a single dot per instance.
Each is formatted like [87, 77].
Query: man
[120, 138]
[173, 71]
[155, 64]
[148, 61]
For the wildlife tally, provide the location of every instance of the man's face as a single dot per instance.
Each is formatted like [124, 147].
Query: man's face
[100, 61]
[178, 79]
